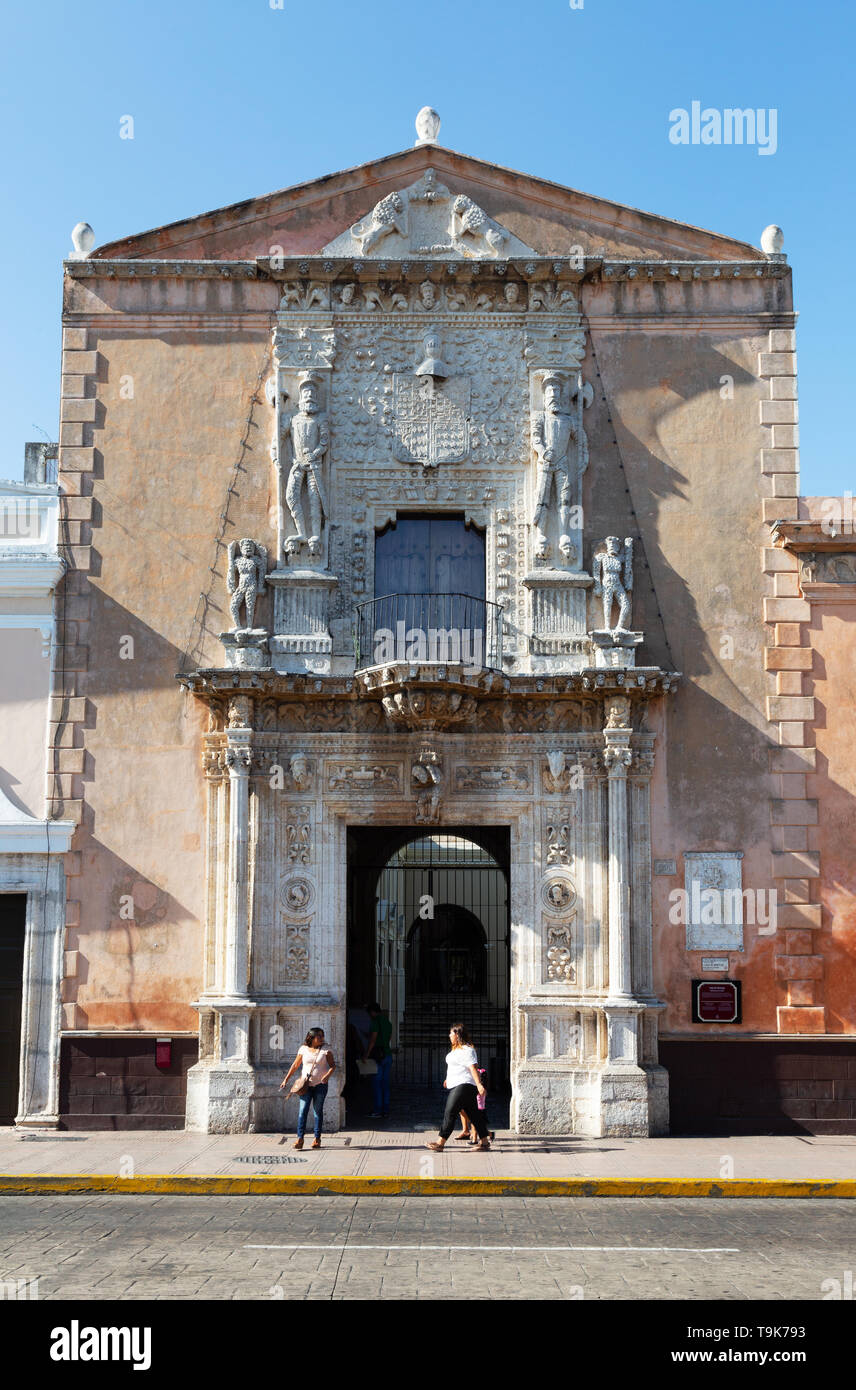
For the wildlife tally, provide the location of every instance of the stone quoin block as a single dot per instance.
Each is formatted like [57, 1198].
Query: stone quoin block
[782, 340]
[778, 412]
[790, 707]
[799, 967]
[792, 759]
[777, 364]
[783, 388]
[788, 812]
[773, 558]
[805, 865]
[780, 508]
[802, 992]
[788, 634]
[786, 586]
[786, 436]
[794, 890]
[785, 484]
[786, 610]
[799, 942]
[804, 916]
[788, 658]
[801, 1020]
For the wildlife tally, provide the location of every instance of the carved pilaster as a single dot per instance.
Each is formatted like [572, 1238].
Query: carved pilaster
[617, 756]
[238, 758]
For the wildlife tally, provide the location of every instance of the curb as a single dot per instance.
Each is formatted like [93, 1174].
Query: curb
[37, 1184]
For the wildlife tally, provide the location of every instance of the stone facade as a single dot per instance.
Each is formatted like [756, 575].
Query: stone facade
[250, 399]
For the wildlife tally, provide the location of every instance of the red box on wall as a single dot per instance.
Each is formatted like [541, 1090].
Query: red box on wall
[163, 1052]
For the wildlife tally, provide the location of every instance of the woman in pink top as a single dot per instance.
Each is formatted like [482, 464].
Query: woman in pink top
[315, 1063]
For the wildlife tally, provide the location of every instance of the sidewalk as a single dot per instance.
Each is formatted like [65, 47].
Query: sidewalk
[395, 1161]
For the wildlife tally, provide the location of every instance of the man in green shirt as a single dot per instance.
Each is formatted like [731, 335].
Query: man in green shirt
[380, 1052]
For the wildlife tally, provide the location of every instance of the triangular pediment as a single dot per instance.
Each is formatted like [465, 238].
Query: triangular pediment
[534, 215]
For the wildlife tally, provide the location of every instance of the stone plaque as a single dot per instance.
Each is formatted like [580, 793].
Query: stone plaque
[665, 866]
[714, 962]
[713, 900]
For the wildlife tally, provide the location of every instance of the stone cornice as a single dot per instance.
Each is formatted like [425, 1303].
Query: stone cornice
[637, 682]
[813, 535]
[325, 269]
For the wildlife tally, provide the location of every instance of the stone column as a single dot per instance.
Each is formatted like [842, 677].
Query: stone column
[617, 756]
[631, 1094]
[221, 1087]
[235, 964]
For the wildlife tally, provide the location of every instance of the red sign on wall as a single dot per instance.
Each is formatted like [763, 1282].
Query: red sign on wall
[716, 1001]
[163, 1052]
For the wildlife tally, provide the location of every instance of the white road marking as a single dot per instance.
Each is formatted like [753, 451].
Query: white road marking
[522, 1249]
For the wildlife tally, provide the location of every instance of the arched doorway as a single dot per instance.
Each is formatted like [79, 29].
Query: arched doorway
[446, 954]
[428, 938]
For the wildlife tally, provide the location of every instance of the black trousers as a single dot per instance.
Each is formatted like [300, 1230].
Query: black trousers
[463, 1098]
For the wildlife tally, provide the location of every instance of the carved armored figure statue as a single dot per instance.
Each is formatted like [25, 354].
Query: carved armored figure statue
[245, 578]
[613, 579]
[554, 431]
[310, 439]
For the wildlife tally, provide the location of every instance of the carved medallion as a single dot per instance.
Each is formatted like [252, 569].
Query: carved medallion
[297, 894]
[558, 894]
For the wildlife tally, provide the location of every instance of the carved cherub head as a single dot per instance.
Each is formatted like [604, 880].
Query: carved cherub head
[512, 292]
[428, 294]
[348, 292]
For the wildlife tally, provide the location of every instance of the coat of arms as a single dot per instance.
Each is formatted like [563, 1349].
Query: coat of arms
[431, 412]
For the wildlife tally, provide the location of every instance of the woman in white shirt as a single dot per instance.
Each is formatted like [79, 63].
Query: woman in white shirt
[316, 1065]
[463, 1086]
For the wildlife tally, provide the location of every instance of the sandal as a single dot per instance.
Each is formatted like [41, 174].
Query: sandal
[483, 1146]
[438, 1148]
[459, 1138]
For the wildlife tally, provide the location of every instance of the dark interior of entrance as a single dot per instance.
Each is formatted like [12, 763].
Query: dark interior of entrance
[428, 939]
[13, 911]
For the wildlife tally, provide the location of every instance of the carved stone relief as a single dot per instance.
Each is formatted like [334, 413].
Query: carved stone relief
[297, 894]
[558, 894]
[362, 777]
[482, 777]
[427, 219]
[558, 957]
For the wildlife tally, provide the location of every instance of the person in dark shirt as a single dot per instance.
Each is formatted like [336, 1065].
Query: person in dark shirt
[379, 1051]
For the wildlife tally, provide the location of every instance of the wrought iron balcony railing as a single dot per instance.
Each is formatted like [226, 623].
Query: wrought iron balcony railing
[450, 628]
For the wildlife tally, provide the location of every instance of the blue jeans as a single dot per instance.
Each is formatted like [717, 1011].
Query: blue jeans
[381, 1083]
[315, 1097]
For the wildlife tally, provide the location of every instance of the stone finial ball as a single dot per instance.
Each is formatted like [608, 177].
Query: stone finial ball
[82, 239]
[427, 126]
[772, 240]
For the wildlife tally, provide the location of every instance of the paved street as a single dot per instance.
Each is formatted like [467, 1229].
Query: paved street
[121, 1247]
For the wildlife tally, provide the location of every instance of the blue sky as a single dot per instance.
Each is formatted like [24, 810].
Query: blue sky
[234, 98]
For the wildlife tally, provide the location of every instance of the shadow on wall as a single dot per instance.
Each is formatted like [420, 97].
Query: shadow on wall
[134, 932]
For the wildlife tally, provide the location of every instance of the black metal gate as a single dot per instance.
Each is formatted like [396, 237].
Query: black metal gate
[428, 939]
